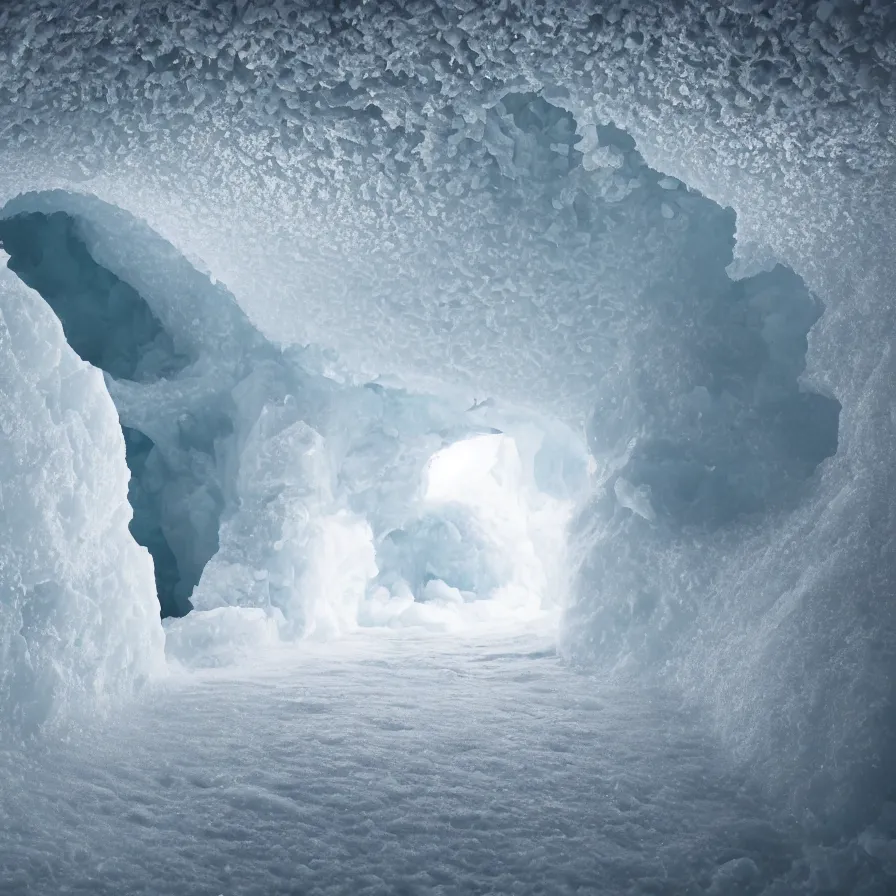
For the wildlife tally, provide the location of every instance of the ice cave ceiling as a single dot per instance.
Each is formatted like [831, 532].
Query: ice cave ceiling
[453, 161]
[312, 245]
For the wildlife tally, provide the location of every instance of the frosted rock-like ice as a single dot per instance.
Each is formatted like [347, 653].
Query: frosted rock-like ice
[79, 623]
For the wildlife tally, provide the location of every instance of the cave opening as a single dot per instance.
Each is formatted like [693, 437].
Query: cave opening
[484, 544]
[112, 327]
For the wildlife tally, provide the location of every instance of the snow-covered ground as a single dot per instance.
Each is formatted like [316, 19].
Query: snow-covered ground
[393, 763]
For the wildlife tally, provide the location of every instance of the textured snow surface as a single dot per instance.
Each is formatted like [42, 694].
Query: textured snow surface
[499, 203]
[397, 765]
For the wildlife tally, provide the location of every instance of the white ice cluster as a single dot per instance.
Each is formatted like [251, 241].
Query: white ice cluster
[665, 228]
[78, 614]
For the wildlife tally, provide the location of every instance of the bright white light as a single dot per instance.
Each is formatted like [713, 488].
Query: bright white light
[485, 546]
[522, 529]
[470, 471]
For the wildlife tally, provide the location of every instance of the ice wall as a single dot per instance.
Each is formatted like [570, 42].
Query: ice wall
[502, 197]
[79, 619]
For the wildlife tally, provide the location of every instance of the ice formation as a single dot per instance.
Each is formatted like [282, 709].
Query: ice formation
[361, 234]
[259, 482]
[78, 609]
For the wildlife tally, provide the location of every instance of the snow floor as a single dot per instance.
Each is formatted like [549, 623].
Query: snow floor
[389, 764]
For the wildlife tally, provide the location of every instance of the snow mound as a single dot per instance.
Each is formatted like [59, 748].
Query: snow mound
[225, 636]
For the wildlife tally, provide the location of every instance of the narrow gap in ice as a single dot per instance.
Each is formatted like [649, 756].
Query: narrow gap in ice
[145, 495]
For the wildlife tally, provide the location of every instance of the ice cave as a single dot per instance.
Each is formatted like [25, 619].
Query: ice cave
[446, 447]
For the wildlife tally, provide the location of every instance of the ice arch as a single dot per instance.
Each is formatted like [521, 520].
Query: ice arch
[174, 355]
[170, 436]
[259, 480]
[209, 409]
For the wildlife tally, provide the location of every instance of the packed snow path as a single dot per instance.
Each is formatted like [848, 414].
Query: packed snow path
[390, 765]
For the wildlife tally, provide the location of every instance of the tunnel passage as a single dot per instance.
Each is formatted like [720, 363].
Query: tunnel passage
[111, 326]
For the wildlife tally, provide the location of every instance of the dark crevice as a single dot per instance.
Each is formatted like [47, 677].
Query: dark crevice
[144, 495]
